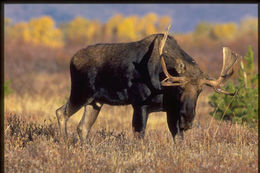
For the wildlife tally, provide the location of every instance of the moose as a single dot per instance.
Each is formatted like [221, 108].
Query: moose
[153, 74]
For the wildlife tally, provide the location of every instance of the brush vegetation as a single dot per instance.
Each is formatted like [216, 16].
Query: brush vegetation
[243, 106]
[37, 83]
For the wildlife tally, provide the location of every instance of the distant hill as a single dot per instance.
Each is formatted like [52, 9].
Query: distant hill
[184, 16]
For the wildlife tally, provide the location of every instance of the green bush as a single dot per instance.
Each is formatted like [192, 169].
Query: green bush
[7, 88]
[243, 107]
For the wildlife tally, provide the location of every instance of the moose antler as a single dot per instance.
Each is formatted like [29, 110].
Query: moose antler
[229, 59]
[169, 80]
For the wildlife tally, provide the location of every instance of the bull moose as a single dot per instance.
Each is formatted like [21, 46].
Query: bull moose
[153, 74]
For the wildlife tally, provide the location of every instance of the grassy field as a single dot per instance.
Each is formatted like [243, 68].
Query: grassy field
[32, 141]
[39, 78]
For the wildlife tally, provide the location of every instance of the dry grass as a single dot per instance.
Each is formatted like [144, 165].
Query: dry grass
[40, 80]
[32, 142]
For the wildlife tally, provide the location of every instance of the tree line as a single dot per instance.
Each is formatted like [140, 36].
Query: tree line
[82, 31]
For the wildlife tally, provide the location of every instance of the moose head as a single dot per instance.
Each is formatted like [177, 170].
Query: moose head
[191, 84]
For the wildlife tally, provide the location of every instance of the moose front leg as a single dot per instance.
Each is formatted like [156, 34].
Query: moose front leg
[180, 132]
[174, 126]
[139, 122]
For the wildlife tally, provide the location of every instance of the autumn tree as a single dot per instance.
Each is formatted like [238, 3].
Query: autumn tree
[147, 25]
[110, 27]
[150, 23]
[94, 31]
[76, 31]
[14, 32]
[80, 31]
[7, 29]
[203, 29]
[224, 31]
[42, 31]
[7, 26]
[126, 29]
[249, 25]
[163, 23]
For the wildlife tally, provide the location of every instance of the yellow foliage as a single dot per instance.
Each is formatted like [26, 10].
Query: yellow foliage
[150, 23]
[151, 18]
[110, 26]
[126, 29]
[93, 30]
[39, 31]
[77, 30]
[7, 21]
[17, 31]
[249, 24]
[224, 31]
[81, 30]
[147, 25]
[7, 27]
[163, 23]
[203, 29]
[150, 29]
[140, 28]
[115, 20]
[132, 27]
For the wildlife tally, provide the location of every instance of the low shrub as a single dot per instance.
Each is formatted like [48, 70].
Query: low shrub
[243, 107]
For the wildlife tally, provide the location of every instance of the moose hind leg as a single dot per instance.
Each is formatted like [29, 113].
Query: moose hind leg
[63, 114]
[88, 119]
[139, 122]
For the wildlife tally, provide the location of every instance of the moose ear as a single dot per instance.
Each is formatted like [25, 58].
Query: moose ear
[180, 67]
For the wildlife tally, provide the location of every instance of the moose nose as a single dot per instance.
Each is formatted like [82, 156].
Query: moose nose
[185, 125]
[189, 125]
[182, 123]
